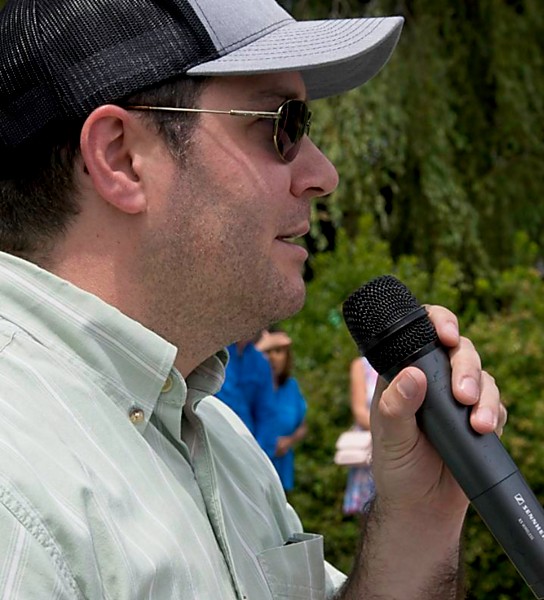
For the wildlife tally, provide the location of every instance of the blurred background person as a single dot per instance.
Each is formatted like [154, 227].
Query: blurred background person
[360, 485]
[248, 390]
[289, 425]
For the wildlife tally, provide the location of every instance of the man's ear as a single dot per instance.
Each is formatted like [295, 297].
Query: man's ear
[108, 150]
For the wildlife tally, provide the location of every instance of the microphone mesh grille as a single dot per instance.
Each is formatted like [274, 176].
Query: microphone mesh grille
[375, 307]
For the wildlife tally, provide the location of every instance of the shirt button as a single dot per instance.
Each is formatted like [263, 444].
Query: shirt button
[168, 384]
[136, 416]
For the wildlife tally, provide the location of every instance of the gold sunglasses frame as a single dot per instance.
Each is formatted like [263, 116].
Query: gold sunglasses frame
[262, 114]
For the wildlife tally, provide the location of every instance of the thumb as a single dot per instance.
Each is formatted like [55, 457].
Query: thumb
[407, 469]
[393, 416]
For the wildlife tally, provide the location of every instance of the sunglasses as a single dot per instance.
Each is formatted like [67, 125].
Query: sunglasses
[291, 122]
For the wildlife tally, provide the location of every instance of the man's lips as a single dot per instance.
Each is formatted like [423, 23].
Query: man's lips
[293, 235]
[295, 242]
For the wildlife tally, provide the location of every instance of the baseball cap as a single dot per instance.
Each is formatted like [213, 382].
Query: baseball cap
[61, 59]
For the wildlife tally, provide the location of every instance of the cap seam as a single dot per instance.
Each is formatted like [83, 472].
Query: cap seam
[244, 41]
[313, 50]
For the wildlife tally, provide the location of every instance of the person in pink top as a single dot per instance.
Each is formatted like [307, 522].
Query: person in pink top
[360, 485]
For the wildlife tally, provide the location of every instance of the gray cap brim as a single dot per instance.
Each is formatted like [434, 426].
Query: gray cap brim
[333, 55]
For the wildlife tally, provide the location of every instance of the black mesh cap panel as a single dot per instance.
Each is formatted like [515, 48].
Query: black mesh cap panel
[60, 59]
[374, 309]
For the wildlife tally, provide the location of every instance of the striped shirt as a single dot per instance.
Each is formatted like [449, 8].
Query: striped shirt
[121, 480]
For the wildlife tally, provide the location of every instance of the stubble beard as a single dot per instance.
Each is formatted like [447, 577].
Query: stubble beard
[210, 290]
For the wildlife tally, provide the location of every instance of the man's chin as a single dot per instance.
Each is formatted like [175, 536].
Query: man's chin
[292, 301]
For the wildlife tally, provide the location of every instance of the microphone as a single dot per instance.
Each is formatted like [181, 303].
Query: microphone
[393, 331]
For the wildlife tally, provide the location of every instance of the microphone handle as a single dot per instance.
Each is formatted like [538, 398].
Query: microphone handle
[482, 467]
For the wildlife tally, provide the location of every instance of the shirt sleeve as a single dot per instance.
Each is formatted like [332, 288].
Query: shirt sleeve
[28, 566]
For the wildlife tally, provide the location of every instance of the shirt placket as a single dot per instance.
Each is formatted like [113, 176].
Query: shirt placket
[204, 469]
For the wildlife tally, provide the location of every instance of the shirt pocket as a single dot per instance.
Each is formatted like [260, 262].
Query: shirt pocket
[295, 570]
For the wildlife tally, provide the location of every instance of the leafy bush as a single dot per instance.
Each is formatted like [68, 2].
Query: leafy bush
[511, 346]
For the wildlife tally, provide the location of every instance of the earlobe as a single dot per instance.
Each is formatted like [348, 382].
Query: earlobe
[108, 153]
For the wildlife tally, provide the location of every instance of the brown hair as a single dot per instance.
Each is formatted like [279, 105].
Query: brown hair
[288, 368]
[38, 196]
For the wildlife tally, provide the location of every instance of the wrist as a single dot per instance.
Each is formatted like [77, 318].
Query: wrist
[440, 522]
[445, 511]
[407, 554]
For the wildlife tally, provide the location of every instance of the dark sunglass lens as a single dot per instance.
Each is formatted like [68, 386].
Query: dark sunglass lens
[291, 128]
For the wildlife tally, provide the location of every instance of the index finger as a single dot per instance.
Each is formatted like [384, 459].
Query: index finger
[445, 323]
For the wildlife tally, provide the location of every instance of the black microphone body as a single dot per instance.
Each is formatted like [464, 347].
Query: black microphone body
[393, 332]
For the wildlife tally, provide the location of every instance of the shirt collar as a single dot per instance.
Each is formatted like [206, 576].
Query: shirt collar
[129, 362]
[209, 376]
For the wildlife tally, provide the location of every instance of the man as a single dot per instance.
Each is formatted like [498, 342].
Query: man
[139, 241]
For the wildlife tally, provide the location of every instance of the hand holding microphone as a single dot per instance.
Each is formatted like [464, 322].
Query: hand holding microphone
[393, 331]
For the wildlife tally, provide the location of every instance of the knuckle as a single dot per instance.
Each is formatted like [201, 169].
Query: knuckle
[466, 343]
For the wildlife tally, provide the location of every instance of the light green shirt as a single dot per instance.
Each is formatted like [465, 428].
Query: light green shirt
[121, 480]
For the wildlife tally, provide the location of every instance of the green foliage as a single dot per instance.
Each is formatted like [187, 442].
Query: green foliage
[444, 147]
[511, 347]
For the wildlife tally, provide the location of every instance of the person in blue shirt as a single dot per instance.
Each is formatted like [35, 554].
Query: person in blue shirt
[248, 390]
[289, 425]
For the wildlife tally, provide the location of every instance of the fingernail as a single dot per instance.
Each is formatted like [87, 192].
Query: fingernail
[470, 387]
[407, 387]
[487, 416]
